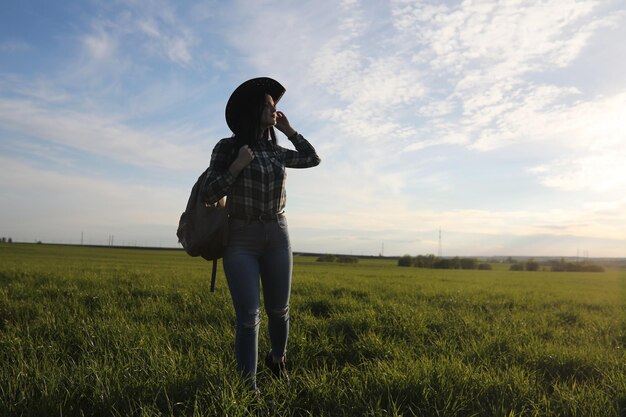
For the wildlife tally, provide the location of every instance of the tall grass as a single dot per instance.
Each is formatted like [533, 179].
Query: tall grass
[87, 331]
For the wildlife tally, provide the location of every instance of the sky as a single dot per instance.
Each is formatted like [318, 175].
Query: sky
[499, 125]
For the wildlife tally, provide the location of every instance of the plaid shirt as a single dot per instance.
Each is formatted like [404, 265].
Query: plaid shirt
[260, 187]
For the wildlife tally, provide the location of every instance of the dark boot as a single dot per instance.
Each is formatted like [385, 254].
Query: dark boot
[279, 370]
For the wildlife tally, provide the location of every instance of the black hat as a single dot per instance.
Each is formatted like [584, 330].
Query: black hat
[239, 99]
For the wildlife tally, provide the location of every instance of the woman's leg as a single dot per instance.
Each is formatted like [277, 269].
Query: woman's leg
[276, 267]
[241, 266]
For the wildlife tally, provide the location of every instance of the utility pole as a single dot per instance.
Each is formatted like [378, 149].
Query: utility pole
[439, 248]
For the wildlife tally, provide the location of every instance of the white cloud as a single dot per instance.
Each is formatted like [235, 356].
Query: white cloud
[603, 171]
[101, 46]
[525, 35]
[41, 90]
[530, 114]
[99, 135]
[490, 51]
[175, 45]
[374, 91]
[436, 108]
[152, 28]
[178, 50]
[588, 136]
[67, 204]
[12, 46]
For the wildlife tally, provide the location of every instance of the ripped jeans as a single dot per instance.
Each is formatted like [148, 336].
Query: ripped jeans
[258, 249]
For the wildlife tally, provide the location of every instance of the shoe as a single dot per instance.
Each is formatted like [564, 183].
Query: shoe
[279, 370]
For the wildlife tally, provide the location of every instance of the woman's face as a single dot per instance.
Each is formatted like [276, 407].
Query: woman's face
[268, 115]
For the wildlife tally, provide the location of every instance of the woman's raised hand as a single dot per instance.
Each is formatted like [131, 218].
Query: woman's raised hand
[282, 124]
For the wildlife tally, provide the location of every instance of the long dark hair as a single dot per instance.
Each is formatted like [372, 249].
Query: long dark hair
[249, 121]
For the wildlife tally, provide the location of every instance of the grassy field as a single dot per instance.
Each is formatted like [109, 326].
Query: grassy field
[96, 331]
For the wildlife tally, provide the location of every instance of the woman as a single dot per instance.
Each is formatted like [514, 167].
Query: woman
[249, 168]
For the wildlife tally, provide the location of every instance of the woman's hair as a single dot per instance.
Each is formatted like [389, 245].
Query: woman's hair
[249, 122]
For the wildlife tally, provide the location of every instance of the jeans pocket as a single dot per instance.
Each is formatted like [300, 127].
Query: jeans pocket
[282, 222]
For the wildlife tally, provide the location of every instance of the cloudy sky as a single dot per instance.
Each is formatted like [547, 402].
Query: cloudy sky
[500, 123]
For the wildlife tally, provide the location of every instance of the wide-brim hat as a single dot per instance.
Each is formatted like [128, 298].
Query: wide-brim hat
[239, 100]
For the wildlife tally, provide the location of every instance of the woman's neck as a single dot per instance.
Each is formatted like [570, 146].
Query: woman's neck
[263, 134]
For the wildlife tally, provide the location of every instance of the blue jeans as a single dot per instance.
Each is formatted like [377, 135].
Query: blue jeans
[258, 249]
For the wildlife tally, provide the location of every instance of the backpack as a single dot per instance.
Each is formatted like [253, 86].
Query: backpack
[203, 227]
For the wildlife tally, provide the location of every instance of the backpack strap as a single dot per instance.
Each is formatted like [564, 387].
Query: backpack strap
[213, 273]
[224, 242]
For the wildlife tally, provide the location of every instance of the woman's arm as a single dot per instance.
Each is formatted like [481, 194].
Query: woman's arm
[305, 155]
[221, 175]
[218, 178]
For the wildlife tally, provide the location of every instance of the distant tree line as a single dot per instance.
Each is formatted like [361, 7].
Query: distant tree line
[338, 258]
[432, 261]
[556, 266]
[6, 240]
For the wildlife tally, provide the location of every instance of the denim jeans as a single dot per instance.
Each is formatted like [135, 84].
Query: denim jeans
[258, 249]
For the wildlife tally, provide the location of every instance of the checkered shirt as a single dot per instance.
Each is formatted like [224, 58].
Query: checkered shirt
[260, 187]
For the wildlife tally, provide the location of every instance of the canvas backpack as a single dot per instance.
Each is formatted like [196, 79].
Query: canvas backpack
[203, 227]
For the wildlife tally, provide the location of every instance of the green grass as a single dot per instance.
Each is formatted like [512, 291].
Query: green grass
[96, 331]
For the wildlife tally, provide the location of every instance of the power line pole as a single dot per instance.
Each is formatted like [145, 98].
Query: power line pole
[439, 248]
